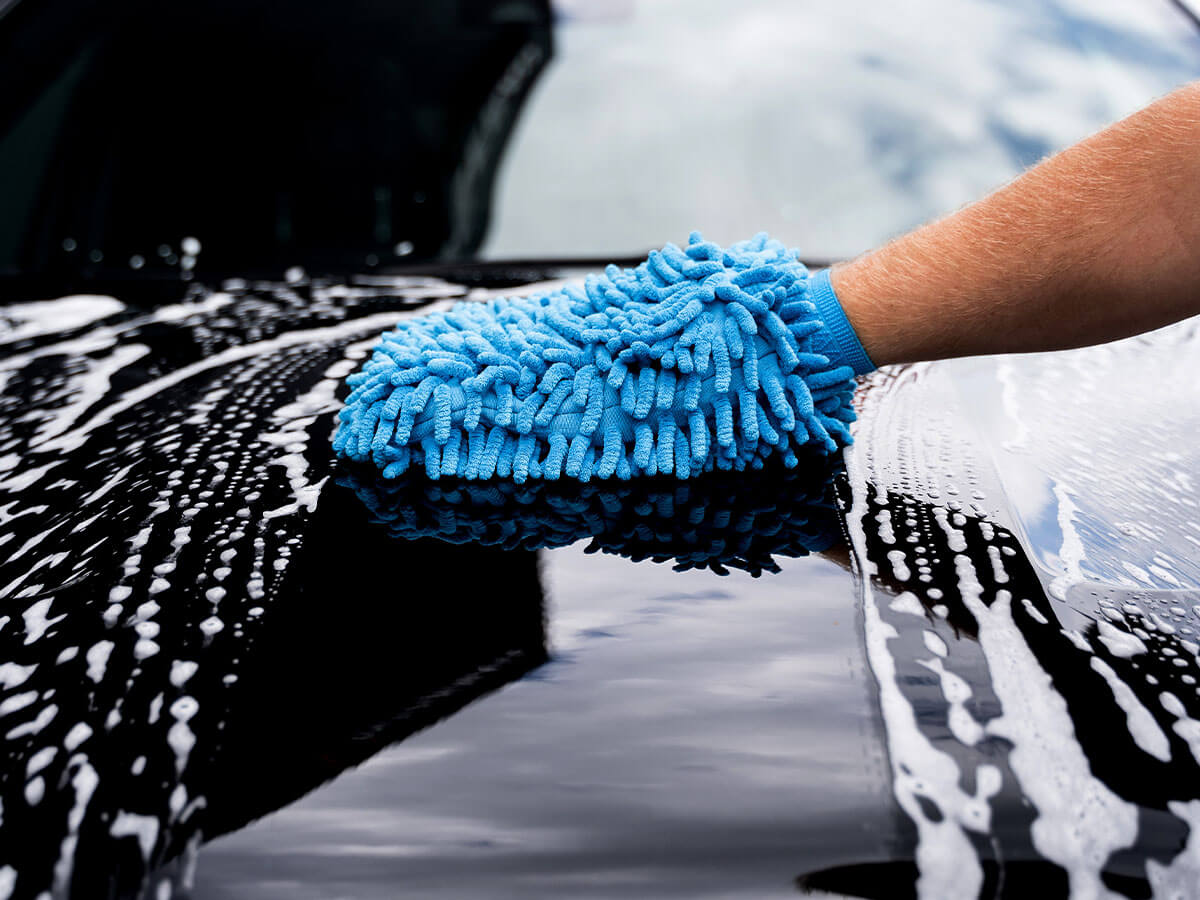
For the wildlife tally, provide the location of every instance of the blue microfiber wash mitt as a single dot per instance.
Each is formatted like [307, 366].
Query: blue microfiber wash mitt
[697, 359]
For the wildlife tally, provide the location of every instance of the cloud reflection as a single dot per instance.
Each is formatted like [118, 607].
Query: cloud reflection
[837, 125]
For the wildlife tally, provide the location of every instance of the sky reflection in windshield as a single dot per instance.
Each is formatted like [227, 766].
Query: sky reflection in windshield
[831, 129]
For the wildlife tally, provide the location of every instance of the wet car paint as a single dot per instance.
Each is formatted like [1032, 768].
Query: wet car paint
[205, 622]
[1084, 690]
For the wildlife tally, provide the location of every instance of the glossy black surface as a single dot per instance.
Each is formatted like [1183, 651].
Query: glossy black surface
[205, 620]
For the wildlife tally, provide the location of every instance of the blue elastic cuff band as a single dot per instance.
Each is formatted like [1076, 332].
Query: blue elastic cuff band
[850, 350]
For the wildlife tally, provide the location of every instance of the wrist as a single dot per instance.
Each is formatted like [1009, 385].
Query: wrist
[862, 305]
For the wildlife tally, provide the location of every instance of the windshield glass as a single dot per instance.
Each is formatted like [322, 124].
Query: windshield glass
[831, 129]
[504, 129]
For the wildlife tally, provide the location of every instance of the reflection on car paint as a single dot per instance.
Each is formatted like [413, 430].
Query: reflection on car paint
[716, 520]
[1064, 436]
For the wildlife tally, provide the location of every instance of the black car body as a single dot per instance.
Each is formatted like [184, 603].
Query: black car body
[961, 661]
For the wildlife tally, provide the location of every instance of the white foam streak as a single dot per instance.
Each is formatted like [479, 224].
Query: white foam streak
[946, 860]
[139, 395]
[1080, 822]
[1142, 727]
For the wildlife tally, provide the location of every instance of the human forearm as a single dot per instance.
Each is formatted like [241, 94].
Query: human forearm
[1095, 243]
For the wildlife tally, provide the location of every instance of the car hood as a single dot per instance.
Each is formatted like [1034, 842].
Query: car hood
[960, 660]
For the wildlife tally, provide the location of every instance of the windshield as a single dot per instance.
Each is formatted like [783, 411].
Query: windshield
[832, 129]
[372, 136]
